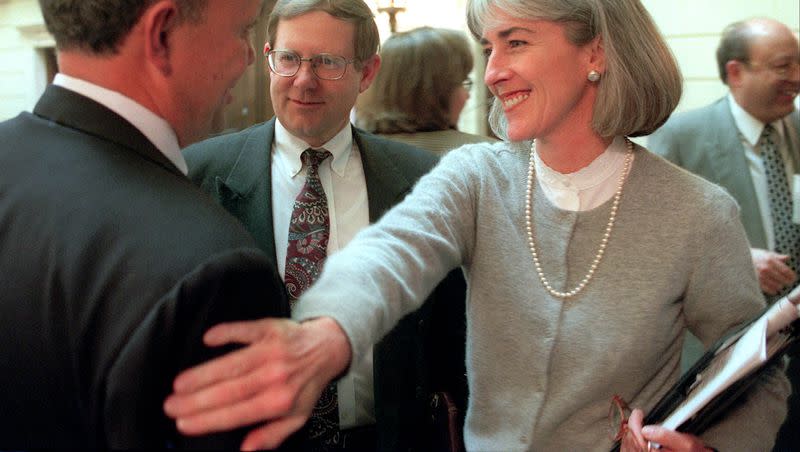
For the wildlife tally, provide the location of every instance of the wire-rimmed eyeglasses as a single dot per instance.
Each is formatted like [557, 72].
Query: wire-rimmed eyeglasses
[286, 63]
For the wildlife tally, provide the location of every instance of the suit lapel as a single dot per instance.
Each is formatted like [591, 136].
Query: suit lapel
[730, 164]
[246, 191]
[71, 109]
[386, 185]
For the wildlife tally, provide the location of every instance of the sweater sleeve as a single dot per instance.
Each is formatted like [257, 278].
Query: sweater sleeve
[723, 292]
[391, 267]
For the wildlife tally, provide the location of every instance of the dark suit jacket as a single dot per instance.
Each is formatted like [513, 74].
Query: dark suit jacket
[425, 352]
[706, 142]
[112, 265]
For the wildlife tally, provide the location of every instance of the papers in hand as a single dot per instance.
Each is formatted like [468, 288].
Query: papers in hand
[737, 357]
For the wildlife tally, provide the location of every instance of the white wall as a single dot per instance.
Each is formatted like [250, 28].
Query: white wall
[691, 27]
[22, 67]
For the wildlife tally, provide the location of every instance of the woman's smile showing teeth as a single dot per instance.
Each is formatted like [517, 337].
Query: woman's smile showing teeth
[512, 100]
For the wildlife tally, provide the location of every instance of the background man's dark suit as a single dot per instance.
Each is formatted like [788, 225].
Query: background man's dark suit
[112, 266]
[425, 352]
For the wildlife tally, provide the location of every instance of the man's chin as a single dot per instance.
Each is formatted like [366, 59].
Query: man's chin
[786, 108]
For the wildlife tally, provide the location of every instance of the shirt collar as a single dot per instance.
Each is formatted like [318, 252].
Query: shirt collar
[604, 166]
[291, 148]
[748, 125]
[152, 126]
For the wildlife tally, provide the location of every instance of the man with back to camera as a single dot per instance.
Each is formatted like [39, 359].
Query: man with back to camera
[113, 263]
[749, 143]
[321, 56]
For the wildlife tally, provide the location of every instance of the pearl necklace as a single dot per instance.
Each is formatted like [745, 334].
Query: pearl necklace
[603, 243]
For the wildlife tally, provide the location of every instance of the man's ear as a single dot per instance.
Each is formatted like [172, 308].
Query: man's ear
[369, 69]
[734, 70]
[160, 21]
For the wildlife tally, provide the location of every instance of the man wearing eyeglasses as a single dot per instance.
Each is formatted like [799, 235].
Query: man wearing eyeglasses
[309, 159]
[749, 143]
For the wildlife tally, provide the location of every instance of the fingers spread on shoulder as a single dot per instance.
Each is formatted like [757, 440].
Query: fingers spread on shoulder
[265, 406]
[236, 363]
[246, 332]
[263, 376]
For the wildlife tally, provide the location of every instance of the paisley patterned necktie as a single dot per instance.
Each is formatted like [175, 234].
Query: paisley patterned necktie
[309, 229]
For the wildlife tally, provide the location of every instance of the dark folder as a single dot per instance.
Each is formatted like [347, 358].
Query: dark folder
[703, 370]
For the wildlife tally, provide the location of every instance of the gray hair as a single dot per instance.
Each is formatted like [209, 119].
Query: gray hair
[641, 85]
[100, 26]
[367, 39]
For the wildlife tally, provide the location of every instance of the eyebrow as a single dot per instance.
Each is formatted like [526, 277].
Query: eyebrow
[508, 32]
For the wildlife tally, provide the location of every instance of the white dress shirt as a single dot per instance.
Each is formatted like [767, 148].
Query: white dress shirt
[750, 130]
[342, 178]
[588, 187]
[152, 126]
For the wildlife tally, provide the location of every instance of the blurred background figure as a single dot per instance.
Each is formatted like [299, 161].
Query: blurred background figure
[421, 89]
[734, 141]
[749, 143]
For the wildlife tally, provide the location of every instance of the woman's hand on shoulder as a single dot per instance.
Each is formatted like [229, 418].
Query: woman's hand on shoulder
[272, 382]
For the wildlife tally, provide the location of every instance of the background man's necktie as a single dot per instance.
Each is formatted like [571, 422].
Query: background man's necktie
[787, 234]
[309, 229]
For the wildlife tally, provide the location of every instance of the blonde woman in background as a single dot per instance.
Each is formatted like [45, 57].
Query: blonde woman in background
[421, 89]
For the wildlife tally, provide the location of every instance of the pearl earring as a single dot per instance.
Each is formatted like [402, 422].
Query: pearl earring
[593, 76]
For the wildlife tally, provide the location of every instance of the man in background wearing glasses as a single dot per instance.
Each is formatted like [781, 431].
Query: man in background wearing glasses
[749, 143]
[321, 56]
